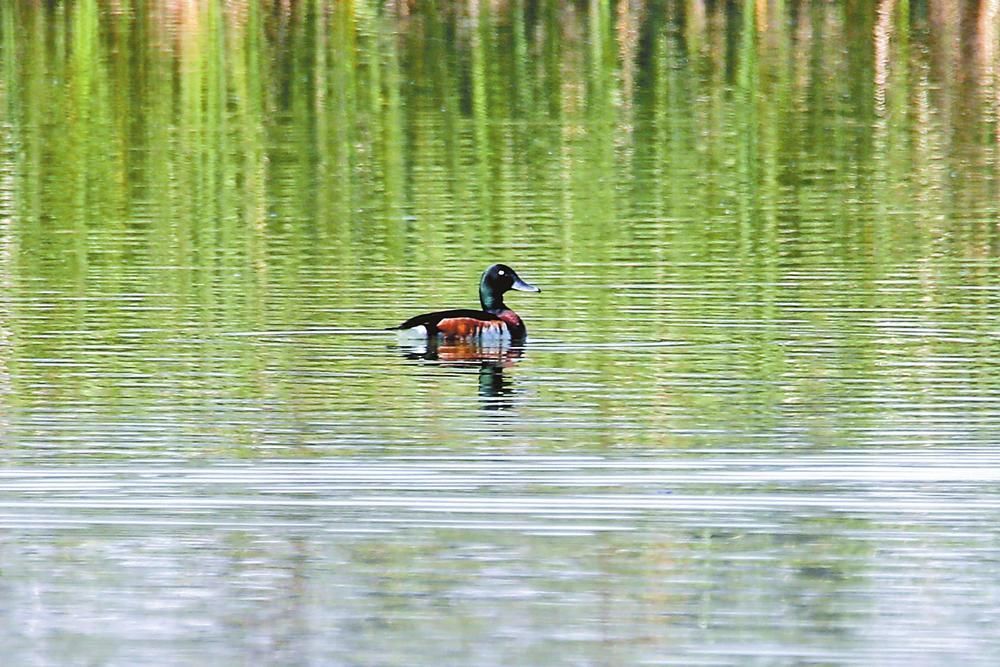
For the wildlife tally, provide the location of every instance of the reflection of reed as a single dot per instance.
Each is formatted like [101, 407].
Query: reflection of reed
[8, 251]
[351, 138]
[346, 85]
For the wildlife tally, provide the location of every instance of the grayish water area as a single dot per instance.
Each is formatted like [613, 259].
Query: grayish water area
[756, 420]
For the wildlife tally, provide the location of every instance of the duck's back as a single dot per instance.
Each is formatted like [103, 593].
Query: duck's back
[459, 322]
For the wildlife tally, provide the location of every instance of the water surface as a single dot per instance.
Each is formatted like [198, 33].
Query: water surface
[755, 421]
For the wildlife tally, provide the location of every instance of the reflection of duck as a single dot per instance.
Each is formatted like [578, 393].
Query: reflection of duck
[494, 323]
[464, 353]
[492, 360]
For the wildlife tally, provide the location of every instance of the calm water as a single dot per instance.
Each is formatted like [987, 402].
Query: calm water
[757, 418]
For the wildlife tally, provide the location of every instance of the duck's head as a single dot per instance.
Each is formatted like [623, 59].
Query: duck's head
[497, 280]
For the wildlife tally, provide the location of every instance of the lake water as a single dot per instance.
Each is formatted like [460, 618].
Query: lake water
[756, 420]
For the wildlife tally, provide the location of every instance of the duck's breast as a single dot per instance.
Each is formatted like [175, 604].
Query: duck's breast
[514, 323]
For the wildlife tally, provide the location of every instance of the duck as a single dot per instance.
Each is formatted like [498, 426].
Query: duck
[495, 322]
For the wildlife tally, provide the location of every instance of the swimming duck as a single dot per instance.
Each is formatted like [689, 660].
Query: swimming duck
[495, 321]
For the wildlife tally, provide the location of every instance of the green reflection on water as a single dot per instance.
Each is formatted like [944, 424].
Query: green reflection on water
[806, 190]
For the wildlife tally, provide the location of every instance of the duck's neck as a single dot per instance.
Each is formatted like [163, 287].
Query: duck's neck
[490, 300]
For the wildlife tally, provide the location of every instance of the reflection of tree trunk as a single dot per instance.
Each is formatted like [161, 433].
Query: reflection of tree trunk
[630, 17]
[968, 75]
[761, 15]
[883, 34]
[694, 26]
[803, 47]
[986, 57]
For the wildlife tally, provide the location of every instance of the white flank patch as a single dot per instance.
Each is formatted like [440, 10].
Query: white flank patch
[419, 331]
[491, 337]
[495, 336]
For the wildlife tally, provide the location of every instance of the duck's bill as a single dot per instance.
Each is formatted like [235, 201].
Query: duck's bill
[522, 286]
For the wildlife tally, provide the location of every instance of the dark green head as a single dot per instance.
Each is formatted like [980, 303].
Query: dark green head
[496, 280]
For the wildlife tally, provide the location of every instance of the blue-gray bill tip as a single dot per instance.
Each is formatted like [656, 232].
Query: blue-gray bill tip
[522, 286]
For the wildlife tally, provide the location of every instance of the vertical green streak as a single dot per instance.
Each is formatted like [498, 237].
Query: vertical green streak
[522, 88]
[772, 107]
[188, 198]
[480, 109]
[220, 173]
[745, 119]
[594, 176]
[394, 149]
[210, 220]
[550, 80]
[82, 89]
[337, 116]
[247, 81]
[29, 82]
[9, 130]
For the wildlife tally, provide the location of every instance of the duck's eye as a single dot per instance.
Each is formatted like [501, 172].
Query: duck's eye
[500, 272]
